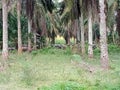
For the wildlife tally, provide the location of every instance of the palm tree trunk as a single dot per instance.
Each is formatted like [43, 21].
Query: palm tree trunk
[35, 40]
[90, 34]
[19, 27]
[5, 30]
[113, 33]
[53, 37]
[118, 23]
[29, 35]
[82, 35]
[103, 36]
[68, 38]
[78, 30]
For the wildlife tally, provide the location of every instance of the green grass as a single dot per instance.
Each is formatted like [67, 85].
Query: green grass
[53, 69]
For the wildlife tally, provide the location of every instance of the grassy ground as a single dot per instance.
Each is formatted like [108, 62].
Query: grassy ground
[55, 69]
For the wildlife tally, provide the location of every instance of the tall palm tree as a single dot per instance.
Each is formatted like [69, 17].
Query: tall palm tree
[5, 29]
[90, 35]
[75, 15]
[103, 36]
[82, 27]
[118, 18]
[19, 26]
[70, 17]
[90, 7]
[29, 12]
[44, 10]
[82, 33]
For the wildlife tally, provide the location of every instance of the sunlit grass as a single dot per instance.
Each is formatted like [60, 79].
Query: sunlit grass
[61, 40]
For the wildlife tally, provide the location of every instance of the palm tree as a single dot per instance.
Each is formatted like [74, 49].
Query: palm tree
[103, 37]
[90, 7]
[82, 27]
[118, 18]
[29, 34]
[66, 19]
[19, 26]
[76, 15]
[5, 29]
[90, 35]
[82, 34]
[70, 17]
[44, 11]
[29, 12]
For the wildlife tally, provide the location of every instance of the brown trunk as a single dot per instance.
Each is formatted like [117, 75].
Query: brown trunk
[90, 35]
[78, 31]
[113, 33]
[35, 41]
[19, 27]
[29, 35]
[5, 30]
[103, 36]
[82, 35]
[53, 37]
[68, 38]
[68, 35]
[118, 23]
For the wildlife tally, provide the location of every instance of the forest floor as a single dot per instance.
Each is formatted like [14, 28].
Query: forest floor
[57, 69]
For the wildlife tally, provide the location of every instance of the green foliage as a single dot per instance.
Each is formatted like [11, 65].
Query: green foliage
[53, 51]
[97, 51]
[68, 51]
[113, 48]
[78, 86]
[30, 35]
[64, 86]
[12, 28]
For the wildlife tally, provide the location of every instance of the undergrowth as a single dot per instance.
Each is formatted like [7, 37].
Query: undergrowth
[52, 69]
